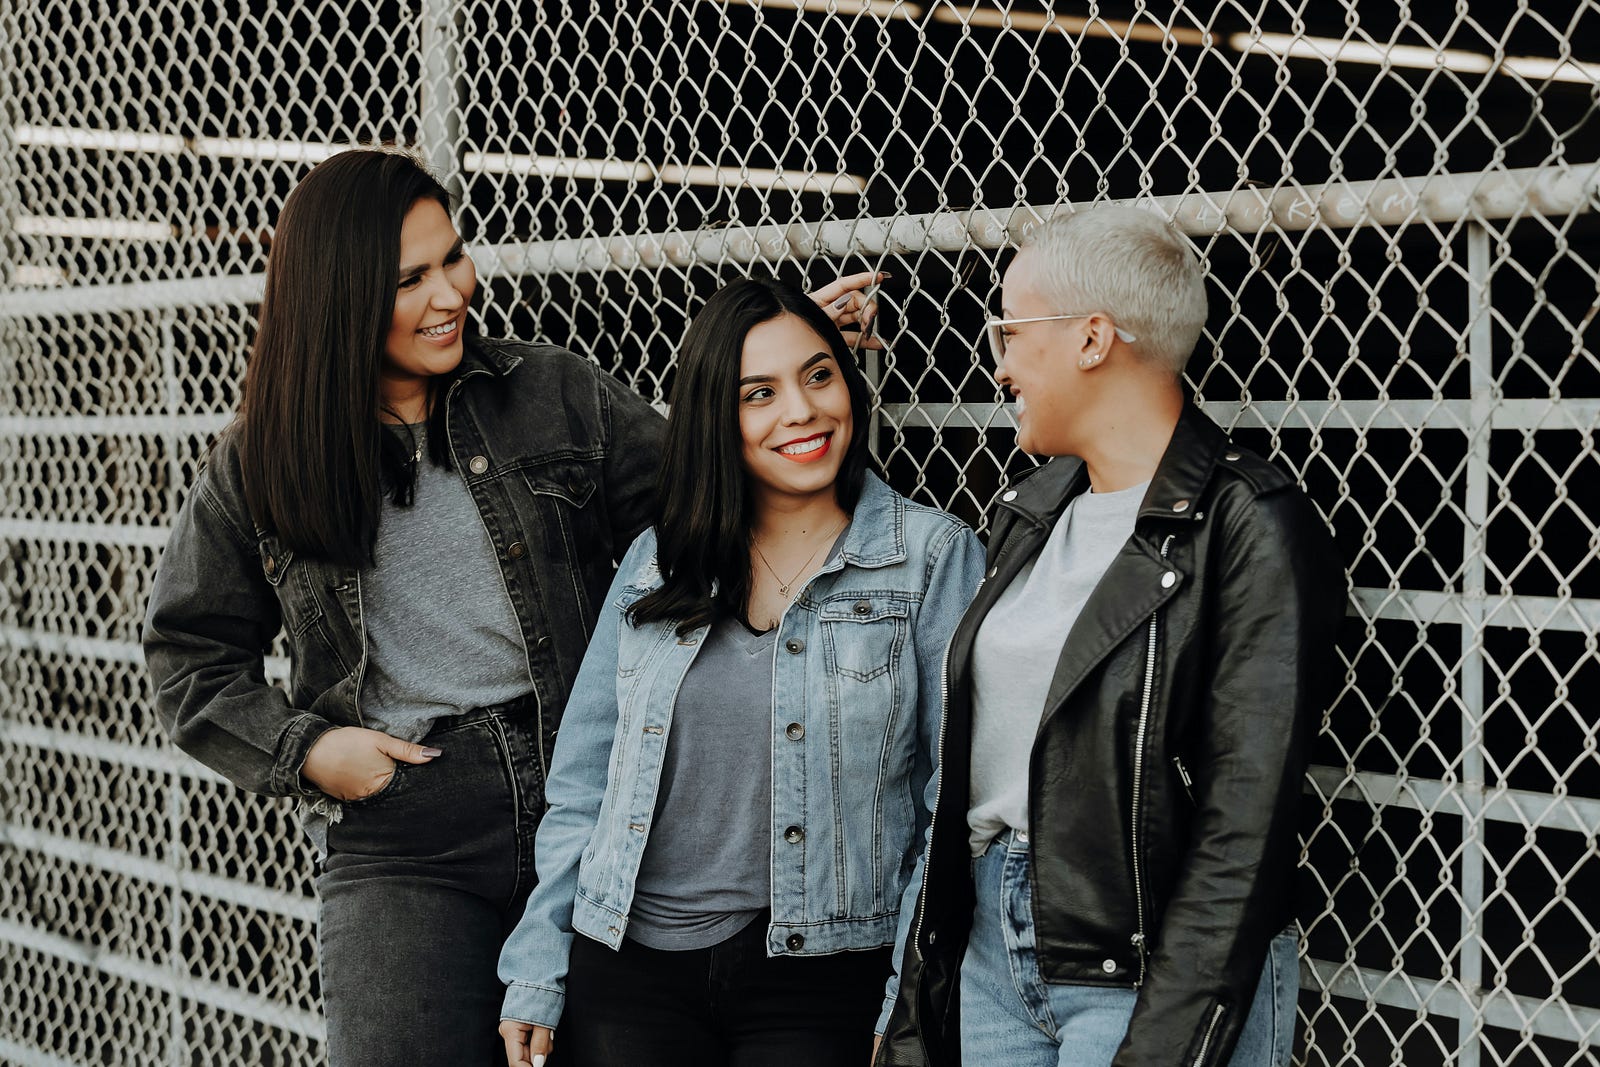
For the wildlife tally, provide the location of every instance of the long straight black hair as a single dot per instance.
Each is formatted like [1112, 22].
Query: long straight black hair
[315, 460]
[703, 502]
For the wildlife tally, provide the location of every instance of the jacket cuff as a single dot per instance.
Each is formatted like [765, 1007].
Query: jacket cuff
[882, 1025]
[301, 733]
[539, 1005]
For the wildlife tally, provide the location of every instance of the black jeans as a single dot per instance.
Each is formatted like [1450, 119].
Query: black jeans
[424, 880]
[730, 1005]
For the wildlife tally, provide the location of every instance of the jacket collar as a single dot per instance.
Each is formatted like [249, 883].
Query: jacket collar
[877, 533]
[876, 536]
[487, 356]
[1175, 490]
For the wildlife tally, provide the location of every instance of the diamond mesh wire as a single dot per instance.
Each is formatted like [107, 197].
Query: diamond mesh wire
[1396, 210]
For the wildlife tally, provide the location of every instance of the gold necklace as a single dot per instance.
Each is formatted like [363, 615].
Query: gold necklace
[783, 586]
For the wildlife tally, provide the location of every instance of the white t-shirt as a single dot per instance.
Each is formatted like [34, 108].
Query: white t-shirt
[1017, 647]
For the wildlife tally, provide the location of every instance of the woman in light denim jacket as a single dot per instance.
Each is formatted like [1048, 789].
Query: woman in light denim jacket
[738, 794]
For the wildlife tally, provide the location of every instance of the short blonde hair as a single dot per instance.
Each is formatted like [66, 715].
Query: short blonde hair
[1129, 264]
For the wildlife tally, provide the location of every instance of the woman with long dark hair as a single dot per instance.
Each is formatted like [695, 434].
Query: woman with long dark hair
[737, 801]
[431, 519]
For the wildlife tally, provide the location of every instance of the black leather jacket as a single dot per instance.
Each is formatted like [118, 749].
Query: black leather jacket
[560, 459]
[1166, 774]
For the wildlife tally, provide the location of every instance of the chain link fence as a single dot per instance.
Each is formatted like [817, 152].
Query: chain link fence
[1395, 204]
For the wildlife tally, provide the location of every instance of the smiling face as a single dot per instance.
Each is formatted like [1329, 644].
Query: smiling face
[1040, 368]
[433, 295]
[794, 409]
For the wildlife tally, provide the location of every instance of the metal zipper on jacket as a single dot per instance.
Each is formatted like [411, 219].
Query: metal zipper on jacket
[1211, 1031]
[527, 652]
[1138, 938]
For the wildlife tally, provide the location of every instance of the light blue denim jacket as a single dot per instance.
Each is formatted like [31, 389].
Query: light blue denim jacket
[857, 664]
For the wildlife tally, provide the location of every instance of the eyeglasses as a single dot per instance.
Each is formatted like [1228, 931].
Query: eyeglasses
[995, 330]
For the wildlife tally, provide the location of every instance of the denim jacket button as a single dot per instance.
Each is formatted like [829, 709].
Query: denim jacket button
[794, 835]
[1109, 966]
[477, 464]
[795, 646]
[794, 731]
[796, 942]
[862, 607]
[517, 550]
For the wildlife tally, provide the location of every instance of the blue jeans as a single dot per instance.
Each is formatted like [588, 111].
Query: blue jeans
[1010, 1015]
[423, 881]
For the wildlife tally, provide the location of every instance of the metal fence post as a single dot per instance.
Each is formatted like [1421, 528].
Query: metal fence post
[1480, 359]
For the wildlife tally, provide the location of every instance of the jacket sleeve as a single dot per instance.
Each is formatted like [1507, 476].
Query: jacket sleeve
[634, 435]
[212, 615]
[953, 578]
[533, 961]
[1280, 593]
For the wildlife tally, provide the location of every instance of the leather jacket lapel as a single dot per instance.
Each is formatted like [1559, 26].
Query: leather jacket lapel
[1134, 586]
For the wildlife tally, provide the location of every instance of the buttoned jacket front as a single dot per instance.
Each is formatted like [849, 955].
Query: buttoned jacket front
[855, 710]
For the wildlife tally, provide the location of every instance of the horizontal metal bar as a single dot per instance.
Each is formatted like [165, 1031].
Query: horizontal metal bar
[1500, 1009]
[1522, 807]
[113, 425]
[101, 649]
[1577, 414]
[159, 758]
[226, 290]
[71, 645]
[293, 906]
[1438, 198]
[1556, 1017]
[224, 998]
[99, 533]
[11, 1052]
[1477, 609]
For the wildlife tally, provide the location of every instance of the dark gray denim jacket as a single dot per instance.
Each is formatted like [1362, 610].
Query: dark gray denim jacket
[561, 461]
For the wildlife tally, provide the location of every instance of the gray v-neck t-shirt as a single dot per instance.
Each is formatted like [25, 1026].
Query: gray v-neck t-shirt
[706, 871]
[1018, 644]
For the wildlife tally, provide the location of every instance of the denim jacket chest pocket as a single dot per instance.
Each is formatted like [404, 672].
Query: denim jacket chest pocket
[566, 514]
[291, 583]
[638, 646]
[864, 635]
[324, 641]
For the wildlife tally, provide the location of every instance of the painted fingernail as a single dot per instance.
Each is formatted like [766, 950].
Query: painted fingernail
[432, 752]
[841, 302]
[538, 1061]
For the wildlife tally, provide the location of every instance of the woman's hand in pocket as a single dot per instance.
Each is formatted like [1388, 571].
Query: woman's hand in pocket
[351, 763]
[527, 1045]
